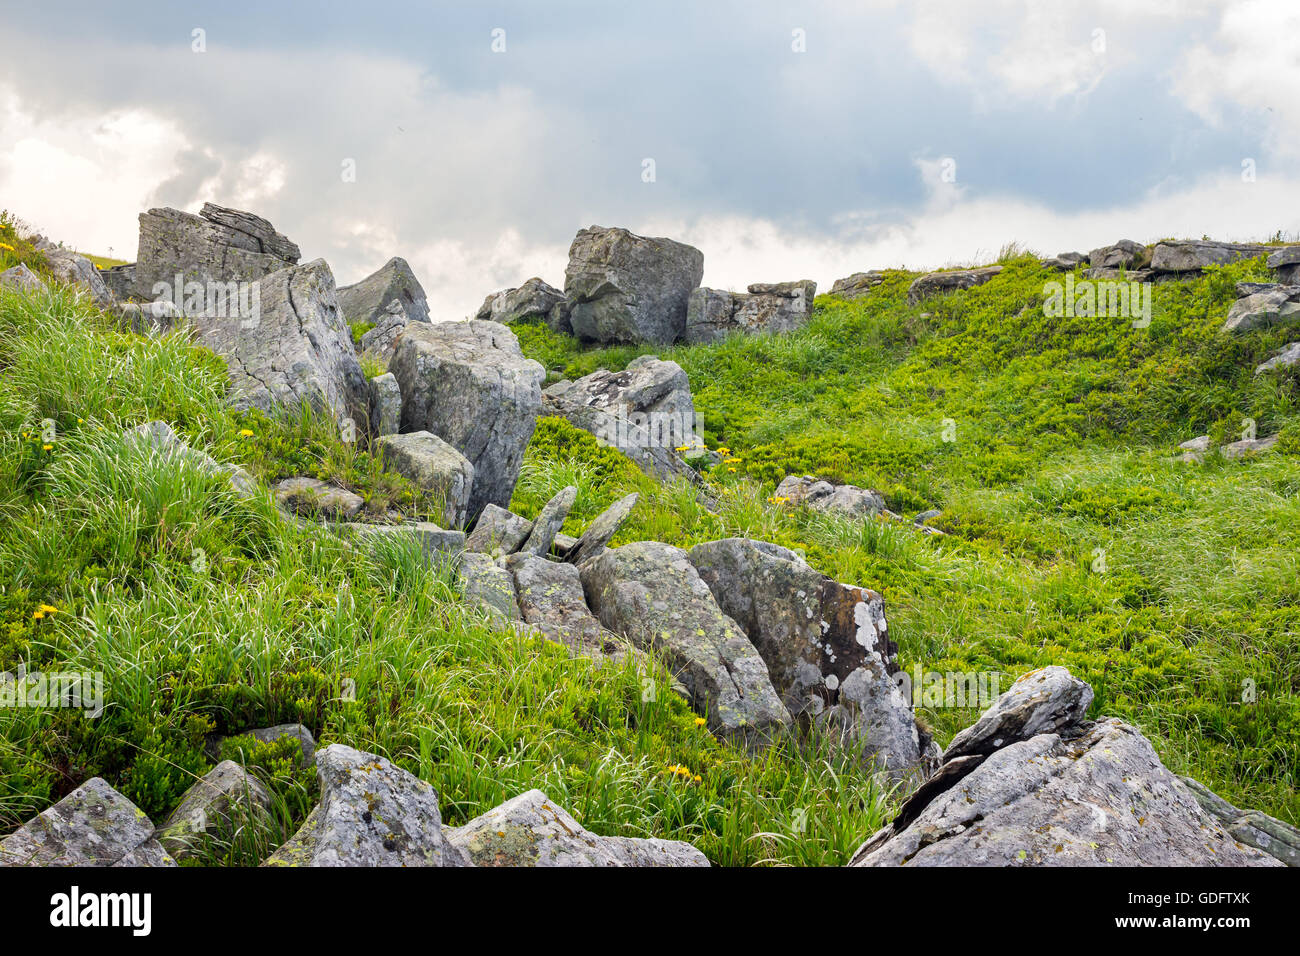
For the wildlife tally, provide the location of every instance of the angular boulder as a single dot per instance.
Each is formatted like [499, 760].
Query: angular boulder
[226, 798]
[370, 299]
[498, 531]
[534, 299]
[548, 522]
[1279, 840]
[1125, 254]
[1044, 701]
[435, 466]
[625, 288]
[21, 278]
[531, 830]
[602, 530]
[1066, 261]
[77, 271]
[1288, 357]
[382, 339]
[651, 594]
[1287, 263]
[552, 602]
[469, 384]
[1277, 306]
[487, 587]
[385, 405]
[159, 438]
[712, 314]
[937, 283]
[858, 284]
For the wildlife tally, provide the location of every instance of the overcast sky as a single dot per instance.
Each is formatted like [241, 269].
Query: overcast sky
[788, 140]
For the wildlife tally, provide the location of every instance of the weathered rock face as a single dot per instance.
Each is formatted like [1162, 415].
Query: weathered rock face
[21, 278]
[469, 384]
[1196, 255]
[92, 826]
[645, 411]
[498, 531]
[1279, 840]
[858, 284]
[224, 799]
[531, 830]
[217, 245]
[1033, 784]
[435, 466]
[311, 496]
[826, 645]
[161, 439]
[602, 530]
[534, 299]
[652, 594]
[549, 521]
[371, 299]
[1125, 254]
[385, 405]
[712, 314]
[552, 602]
[488, 587]
[1277, 306]
[823, 496]
[622, 287]
[937, 283]
[77, 271]
[371, 813]
[297, 350]
[1287, 263]
[382, 339]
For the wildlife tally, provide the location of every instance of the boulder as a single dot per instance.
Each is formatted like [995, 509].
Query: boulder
[1066, 261]
[436, 544]
[1278, 306]
[498, 531]
[549, 521]
[533, 300]
[553, 604]
[857, 285]
[297, 350]
[76, 271]
[21, 278]
[486, 586]
[266, 735]
[371, 299]
[1279, 840]
[159, 438]
[712, 314]
[1248, 447]
[1045, 701]
[382, 339]
[435, 466]
[224, 800]
[602, 530]
[1288, 357]
[1287, 263]
[120, 280]
[937, 283]
[1244, 289]
[531, 830]
[626, 288]
[94, 825]
[218, 245]
[311, 496]
[826, 646]
[651, 594]
[469, 384]
[1193, 256]
[371, 813]
[385, 405]
[1125, 254]
[821, 495]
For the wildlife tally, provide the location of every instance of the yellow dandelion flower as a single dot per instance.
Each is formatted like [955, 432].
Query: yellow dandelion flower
[37, 615]
[49, 609]
[6, 247]
[732, 470]
[47, 447]
[700, 721]
[245, 433]
[698, 778]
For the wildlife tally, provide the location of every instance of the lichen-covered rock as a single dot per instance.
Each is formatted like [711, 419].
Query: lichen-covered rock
[75, 270]
[531, 830]
[626, 288]
[602, 530]
[371, 813]
[382, 339]
[826, 646]
[311, 496]
[498, 531]
[226, 798]
[1193, 256]
[297, 350]
[385, 405]
[1277, 306]
[937, 283]
[488, 587]
[552, 601]
[549, 521]
[21, 278]
[712, 314]
[469, 384]
[820, 495]
[1125, 254]
[434, 465]
[651, 594]
[1044, 701]
[94, 825]
[534, 299]
[1277, 839]
[370, 299]
[160, 439]
[858, 284]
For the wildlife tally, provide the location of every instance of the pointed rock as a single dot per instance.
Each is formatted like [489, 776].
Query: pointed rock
[549, 522]
[602, 530]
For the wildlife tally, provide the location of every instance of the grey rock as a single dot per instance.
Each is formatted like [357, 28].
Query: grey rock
[145, 318]
[858, 284]
[1125, 254]
[826, 646]
[371, 813]
[1126, 275]
[1288, 357]
[821, 495]
[371, 299]
[548, 522]
[937, 283]
[626, 288]
[486, 586]
[1279, 840]
[94, 825]
[1244, 289]
[1200, 443]
[226, 798]
[435, 466]
[531, 830]
[268, 240]
[534, 299]
[306, 742]
[469, 384]
[602, 530]
[498, 531]
[768, 308]
[651, 594]
[1283, 257]
[311, 496]
[159, 438]
[564, 543]
[297, 350]
[1045, 701]
[382, 339]
[1066, 261]
[21, 278]
[1279, 306]
[1194, 256]
[553, 604]
[120, 280]
[1248, 447]
[78, 271]
[385, 405]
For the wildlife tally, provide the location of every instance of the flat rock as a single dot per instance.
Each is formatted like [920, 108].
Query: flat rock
[1193, 256]
[1248, 447]
[937, 283]
[435, 466]
[436, 544]
[602, 530]
[1288, 357]
[311, 496]
[1044, 701]
[1065, 261]
[1279, 840]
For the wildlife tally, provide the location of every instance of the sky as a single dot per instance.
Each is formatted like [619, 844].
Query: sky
[786, 140]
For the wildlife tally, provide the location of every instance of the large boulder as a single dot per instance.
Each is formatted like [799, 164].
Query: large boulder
[937, 283]
[712, 314]
[94, 825]
[533, 300]
[486, 586]
[651, 593]
[1125, 254]
[371, 813]
[1034, 784]
[826, 646]
[77, 271]
[296, 351]
[435, 466]
[1279, 305]
[224, 800]
[469, 384]
[218, 245]
[370, 299]
[532, 830]
[1193, 256]
[626, 288]
[857, 285]
[1287, 263]
[821, 495]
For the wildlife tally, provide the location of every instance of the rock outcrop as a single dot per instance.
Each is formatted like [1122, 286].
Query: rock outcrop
[1193, 256]
[370, 299]
[937, 283]
[712, 314]
[1125, 254]
[857, 285]
[534, 300]
[1278, 305]
[94, 825]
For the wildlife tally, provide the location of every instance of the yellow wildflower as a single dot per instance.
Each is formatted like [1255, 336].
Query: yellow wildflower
[47, 447]
[37, 615]
[5, 246]
[246, 433]
[700, 721]
[49, 609]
